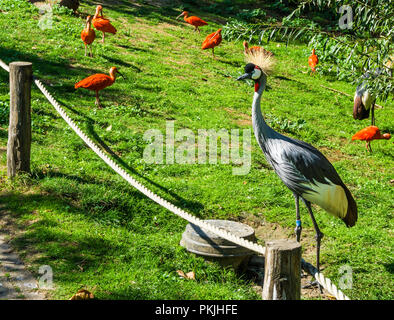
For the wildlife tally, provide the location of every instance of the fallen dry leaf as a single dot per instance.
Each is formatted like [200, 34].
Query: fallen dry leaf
[190, 275]
[82, 294]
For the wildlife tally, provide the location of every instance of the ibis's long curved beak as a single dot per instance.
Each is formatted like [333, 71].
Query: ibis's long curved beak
[122, 75]
[180, 15]
[245, 76]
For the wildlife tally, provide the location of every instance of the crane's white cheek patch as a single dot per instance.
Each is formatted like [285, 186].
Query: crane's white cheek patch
[256, 74]
[330, 197]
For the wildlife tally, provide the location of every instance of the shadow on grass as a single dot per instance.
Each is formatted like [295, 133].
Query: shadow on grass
[44, 67]
[118, 62]
[389, 267]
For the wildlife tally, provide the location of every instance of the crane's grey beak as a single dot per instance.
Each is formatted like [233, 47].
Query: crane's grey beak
[245, 76]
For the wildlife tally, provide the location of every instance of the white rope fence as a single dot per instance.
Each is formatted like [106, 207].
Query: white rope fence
[324, 282]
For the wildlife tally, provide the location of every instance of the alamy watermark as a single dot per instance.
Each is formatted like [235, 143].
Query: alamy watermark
[46, 280]
[346, 277]
[186, 147]
[46, 20]
[346, 20]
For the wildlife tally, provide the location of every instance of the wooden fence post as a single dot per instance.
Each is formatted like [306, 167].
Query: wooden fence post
[19, 132]
[282, 275]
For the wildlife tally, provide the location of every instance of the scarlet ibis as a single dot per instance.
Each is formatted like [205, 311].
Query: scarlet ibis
[368, 134]
[88, 35]
[313, 61]
[212, 40]
[254, 49]
[102, 24]
[98, 82]
[301, 167]
[193, 20]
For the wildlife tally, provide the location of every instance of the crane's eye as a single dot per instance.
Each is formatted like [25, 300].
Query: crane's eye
[256, 74]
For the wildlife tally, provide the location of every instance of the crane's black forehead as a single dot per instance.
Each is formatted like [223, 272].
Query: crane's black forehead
[249, 68]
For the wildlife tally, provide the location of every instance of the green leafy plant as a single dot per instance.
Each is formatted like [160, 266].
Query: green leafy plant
[4, 112]
[251, 15]
[365, 45]
[285, 125]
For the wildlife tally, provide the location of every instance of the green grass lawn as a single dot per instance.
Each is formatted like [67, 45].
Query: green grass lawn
[76, 215]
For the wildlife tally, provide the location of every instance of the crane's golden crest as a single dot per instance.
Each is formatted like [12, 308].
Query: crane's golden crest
[264, 61]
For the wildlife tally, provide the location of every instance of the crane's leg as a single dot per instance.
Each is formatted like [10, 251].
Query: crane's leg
[298, 221]
[319, 236]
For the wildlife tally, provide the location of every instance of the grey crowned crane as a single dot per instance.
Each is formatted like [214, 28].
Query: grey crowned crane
[301, 167]
[364, 101]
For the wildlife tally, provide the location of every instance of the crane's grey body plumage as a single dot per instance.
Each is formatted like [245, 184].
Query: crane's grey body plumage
[301, 167]
[364, 101]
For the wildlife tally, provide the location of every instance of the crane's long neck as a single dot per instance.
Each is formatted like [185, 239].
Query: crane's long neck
[261, 130]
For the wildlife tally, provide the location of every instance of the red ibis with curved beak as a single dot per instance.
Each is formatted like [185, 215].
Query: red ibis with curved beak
[102, 24]
[212, 40]
[313, 60]
[370, 133]
[193, 20]
[88, 35]
[98, 82]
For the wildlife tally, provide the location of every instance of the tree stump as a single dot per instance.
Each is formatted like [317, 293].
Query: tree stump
[19, 132]
[282, 276]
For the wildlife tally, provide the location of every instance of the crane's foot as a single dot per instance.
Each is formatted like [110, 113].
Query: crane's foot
[319, 236]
